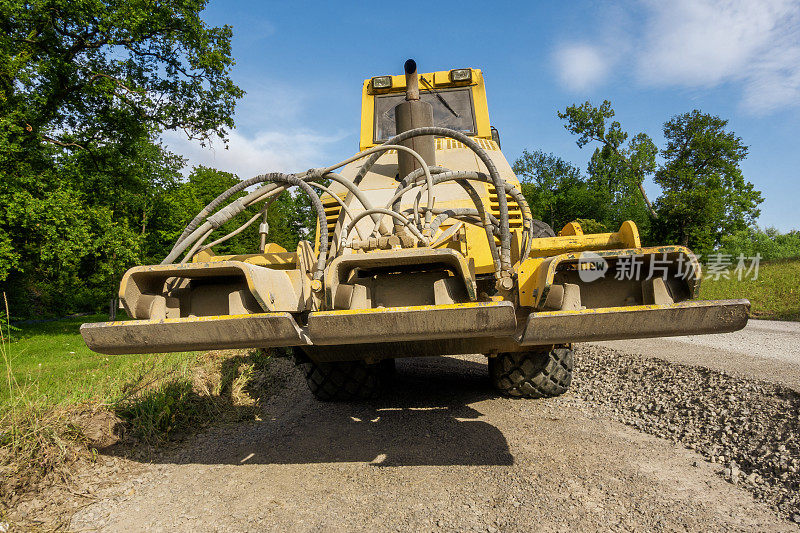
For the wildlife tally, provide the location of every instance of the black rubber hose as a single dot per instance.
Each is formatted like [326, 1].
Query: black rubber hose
[497, 180]
[488, 220]
[323, 223]
[274, 177]
[216, 202]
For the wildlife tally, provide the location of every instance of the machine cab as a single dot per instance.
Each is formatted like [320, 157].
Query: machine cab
[458, 98]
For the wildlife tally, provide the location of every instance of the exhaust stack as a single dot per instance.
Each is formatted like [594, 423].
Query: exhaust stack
[411, 114]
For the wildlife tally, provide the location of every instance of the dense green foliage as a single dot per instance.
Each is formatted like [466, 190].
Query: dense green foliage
[617, 166]
[704, 196]
[86, 87]
[557, 192]
[769, 244]
[290, 217]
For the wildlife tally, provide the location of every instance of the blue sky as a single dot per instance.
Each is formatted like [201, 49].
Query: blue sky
[302, 64]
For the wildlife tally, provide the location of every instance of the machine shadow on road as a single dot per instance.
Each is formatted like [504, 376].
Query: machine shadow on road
[426, 417]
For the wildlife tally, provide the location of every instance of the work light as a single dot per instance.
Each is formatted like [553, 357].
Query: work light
[382, 82]
[461, 74]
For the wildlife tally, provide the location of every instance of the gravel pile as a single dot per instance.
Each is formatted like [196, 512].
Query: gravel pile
[750, 428]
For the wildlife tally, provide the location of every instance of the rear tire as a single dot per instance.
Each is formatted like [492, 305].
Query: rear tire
[541, 229]
[536, 374]
[345, 381]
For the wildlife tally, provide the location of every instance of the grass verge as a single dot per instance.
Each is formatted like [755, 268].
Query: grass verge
[774, 295]
[59, 401]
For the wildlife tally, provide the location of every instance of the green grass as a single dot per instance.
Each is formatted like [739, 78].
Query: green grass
[51, 362]
[775, 295]
[56, 394]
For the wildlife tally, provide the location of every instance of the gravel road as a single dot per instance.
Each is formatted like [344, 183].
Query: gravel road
[441, 451]
[764, 349]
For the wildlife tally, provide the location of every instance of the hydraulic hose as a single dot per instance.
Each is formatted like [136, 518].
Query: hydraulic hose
[497, 180]
[461, 178]
[197, 231]
[236, 207]
[237, 231]
[510, 189]
[375, 152]
[341, 203]
[389, 212]
[216, 202]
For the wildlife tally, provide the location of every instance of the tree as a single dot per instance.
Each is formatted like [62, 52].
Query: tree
[86, 88]
[290, 217]
[705, 195]
[615, 166]
[555, 189]
[78, 71]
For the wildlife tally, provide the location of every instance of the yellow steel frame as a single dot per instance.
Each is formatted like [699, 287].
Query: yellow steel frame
[441, 80]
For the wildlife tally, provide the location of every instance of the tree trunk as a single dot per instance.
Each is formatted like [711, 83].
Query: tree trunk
[647, 200]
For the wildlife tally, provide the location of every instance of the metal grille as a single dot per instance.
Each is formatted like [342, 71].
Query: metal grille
[332, 209]
[514, 212]
[446, 143]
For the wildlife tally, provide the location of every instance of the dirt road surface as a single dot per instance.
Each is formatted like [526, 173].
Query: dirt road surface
[764, 349]
[439, 452]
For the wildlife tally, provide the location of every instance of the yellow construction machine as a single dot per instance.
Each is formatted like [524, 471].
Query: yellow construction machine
[424, 246]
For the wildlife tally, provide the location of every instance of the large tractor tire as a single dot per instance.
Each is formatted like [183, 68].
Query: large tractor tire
[345, 381]
[536, 374]
[541, 229]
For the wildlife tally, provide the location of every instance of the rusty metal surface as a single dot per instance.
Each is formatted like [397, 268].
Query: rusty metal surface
[474, 319]
[635, 322]
[193, 333]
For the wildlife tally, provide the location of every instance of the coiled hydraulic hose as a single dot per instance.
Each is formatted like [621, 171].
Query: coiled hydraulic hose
[216, 202]
[391, 213]
[461, 178]
[234, 208]
[192, 227]
[197, 231]
[497, 180]
[510, 189]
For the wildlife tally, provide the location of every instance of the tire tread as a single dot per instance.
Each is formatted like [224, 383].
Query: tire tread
[540, 374]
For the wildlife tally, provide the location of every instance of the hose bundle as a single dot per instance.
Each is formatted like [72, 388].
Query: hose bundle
[218, 212]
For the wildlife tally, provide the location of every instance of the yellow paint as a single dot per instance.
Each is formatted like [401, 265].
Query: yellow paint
[572, 239]
[276, 256]
[536, 274]
[273, 248]
[405, 309]
[630, 234]
[189, 319]
[527, 278]
[626, 309]
[441, 79]
[572, 228]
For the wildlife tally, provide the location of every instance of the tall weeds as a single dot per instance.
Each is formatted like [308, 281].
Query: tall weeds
[35, 440]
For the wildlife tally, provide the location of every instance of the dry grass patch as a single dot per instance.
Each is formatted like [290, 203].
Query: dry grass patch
[47, 424]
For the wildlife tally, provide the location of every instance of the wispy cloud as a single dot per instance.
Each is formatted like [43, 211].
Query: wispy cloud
[581, 66]
[266, 151]
[703, 44]
[272, 135]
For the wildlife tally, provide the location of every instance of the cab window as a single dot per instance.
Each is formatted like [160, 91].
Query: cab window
[452, 108]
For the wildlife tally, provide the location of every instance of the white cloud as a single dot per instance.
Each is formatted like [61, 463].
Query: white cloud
[706, 43]
[266, 151]
[272, 134]
[581, 66]
[703, 44]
